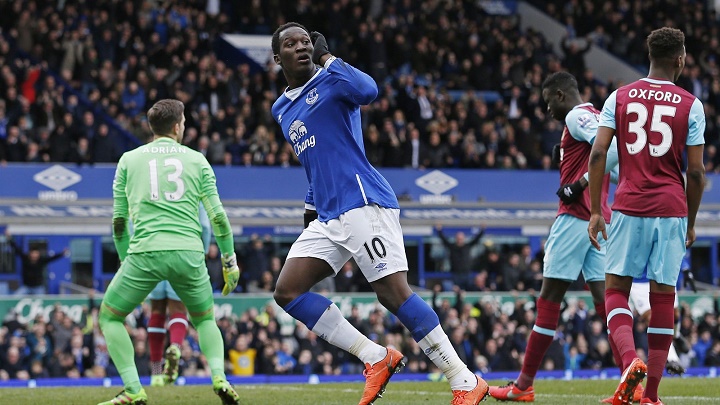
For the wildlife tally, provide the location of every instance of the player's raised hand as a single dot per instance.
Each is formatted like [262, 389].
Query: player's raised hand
[320, 46]
[596, 225]
[231, 273]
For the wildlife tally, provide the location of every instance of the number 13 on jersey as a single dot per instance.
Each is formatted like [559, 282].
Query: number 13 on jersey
[172, 177]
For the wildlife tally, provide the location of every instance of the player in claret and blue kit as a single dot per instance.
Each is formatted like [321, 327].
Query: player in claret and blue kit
[351, 212]
[656, 124]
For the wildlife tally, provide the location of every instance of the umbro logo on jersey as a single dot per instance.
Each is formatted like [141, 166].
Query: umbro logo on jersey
[312, 96]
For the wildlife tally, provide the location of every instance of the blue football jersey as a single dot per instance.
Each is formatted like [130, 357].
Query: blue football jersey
[321, 120]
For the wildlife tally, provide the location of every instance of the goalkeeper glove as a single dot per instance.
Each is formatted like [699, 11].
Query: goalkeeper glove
[231, 273]
[320, 46]
[556, 154]
[309, 216]
[569, 193]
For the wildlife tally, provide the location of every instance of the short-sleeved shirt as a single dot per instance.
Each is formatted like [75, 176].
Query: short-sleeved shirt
[653, 121]
[577, 138]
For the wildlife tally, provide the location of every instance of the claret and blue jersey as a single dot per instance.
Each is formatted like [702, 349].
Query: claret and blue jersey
[321, 120]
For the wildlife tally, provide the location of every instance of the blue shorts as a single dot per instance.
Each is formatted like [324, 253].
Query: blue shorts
[163, 290]
[568, 251]
[655, 242]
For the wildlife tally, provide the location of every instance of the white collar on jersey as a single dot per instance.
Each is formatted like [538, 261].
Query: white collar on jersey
[294, 93]
[657, 81]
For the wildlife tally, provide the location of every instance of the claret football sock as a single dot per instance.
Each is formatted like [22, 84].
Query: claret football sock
[660, 336]
[156, 341]
[620, 324]
[177, 328]
[541, 338]
[600, 310]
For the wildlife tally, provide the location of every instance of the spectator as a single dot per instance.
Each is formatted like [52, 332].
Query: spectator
[14, 365]
[460, 253]
[33, 267]
[255, 261]
[104, 146]
[242, 357]
[82, 153]
[214, 266]
[133, 99]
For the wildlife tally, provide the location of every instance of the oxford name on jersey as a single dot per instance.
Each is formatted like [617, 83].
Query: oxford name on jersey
[321, 121]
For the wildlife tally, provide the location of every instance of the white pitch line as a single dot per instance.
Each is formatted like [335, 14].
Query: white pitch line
[438, 393]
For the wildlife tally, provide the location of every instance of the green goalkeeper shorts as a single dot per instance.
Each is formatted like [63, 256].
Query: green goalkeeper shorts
[140, 272]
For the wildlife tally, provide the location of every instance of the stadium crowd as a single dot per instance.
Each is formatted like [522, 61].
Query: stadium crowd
[487, 336]
[75, 77]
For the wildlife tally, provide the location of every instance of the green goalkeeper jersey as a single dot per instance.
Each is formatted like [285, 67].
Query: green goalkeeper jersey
[159, 186]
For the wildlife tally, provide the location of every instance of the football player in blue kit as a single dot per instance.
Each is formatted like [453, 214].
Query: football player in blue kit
[351, 212]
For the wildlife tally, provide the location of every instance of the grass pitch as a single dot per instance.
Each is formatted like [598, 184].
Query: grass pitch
[673, 391]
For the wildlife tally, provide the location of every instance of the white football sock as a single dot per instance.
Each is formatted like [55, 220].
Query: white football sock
[438, 348]
[335, 329]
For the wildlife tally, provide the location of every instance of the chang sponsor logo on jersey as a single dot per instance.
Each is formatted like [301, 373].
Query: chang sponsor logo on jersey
[297, 131]
[298, 137]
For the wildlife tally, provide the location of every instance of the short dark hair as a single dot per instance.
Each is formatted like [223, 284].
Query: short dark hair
[164, 115]
[665, 43]
[275, 43]
[560, 81]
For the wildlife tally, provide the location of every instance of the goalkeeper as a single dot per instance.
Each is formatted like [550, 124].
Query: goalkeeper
[160, 186]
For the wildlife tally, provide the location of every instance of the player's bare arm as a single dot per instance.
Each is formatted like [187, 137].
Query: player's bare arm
[694, 189]
[596, 170]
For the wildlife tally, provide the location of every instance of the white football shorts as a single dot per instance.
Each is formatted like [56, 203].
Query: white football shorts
[370, 234]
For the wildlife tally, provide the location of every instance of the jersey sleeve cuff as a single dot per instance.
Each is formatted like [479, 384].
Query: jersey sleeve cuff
[329, 61]
[310, 207]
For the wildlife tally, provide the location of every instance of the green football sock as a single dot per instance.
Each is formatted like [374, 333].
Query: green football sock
[211, 344]
[121, 350]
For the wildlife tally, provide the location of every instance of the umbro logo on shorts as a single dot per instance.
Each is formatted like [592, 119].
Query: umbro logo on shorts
[381, 266]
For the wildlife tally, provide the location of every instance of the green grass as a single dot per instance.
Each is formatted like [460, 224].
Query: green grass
[675, 391]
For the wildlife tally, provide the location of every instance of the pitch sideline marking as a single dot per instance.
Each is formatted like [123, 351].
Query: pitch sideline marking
[439, 393]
